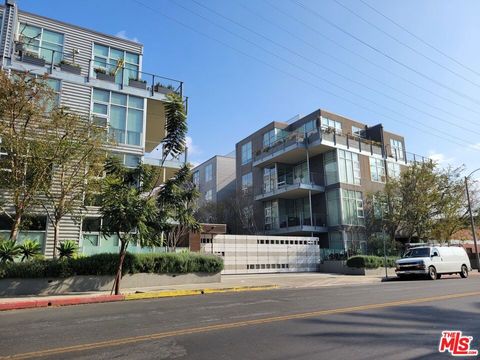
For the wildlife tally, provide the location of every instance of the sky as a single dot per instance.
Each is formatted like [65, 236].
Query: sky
[246, 63]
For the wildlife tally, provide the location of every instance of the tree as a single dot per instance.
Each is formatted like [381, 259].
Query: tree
[75, 148]
[9, 250]
[29, 249]
[25, 103]
[177, 200]
[128, 207]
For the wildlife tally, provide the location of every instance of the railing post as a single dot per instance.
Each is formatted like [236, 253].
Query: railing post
[371, 149]
[334, 138]
[181, 88]
[348, 143]
[123, 78]
[89, 69]
[153, 85]
[359, 145]
[51, 64]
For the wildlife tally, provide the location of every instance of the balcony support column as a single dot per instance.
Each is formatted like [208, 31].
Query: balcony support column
[309, 191]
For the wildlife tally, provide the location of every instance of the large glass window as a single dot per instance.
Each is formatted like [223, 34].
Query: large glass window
[397, 148]
[352, 207]
[247, 181]
[44, 43]
[209, 195]
[393, 170]
[348, 167]
[124, 114]
[270, 137]
[330, 165]
[196, 178]
[246, 153]
[377, 170]
[270, 179]
[271, 214]
[334, 209]
[329, 123]
[208, 172]
[109, 58]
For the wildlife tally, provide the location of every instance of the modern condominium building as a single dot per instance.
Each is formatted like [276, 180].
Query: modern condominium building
[95, 75]
[310, 177]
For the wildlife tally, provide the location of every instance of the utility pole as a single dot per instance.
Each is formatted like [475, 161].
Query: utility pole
[472, 223]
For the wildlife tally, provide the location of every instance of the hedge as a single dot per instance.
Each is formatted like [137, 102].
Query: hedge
[370, 262]
[106, 264]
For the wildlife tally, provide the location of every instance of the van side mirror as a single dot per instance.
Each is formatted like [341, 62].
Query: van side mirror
[434, 254]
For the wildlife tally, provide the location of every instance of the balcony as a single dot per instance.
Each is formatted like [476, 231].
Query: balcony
[298, 225]
[289, 186]
[291, 148]
[169, 163]
[114, 76]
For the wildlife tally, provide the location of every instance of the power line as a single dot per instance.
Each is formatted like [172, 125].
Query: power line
[370, 46]
[329, 69]
[314, 62]
[339, 60]
[336, 43]
[420, 39]
[195, 30]
[406, 45]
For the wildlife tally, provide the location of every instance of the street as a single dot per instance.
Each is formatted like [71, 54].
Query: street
[390, 320]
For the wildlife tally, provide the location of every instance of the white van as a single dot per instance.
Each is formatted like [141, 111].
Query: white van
[433, 261]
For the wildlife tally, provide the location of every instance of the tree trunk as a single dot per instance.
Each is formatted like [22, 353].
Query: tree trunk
[56, 234]
[15, 227]
[118, 277]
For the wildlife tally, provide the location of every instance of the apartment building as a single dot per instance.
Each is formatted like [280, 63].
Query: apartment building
[310, 176]
[215, 178]
[96, 75]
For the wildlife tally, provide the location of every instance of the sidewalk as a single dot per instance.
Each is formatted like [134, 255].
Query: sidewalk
[229, 283]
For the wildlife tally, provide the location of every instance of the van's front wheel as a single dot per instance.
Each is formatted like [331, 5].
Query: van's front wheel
[464, 272]
[432, 273]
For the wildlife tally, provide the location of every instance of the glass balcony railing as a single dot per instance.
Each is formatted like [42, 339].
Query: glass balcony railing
[297, 222]
[116, 72]
[290, 180]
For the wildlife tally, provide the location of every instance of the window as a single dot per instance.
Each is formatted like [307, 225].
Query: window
[247, 181]
[334, 210]
[377, 170]
[309, 127]
[107, 58]
[271, 214]
[196, 178]
[352, 207]
[44, 43]
[393, 170]
[55, 85]
[208, 172]
[208, 195]
[128, 160]
[329, 123]
[246, 153]
[123, 113]
[330, 164]
[397, 148]
[357, 131]
[348, 167]
[270, 137]
[269, 179]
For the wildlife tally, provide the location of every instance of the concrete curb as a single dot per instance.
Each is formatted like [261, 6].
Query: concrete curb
[60, 301]
[92, 299]
[176, 293]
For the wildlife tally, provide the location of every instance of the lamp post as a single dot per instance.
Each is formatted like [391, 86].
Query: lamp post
[472, 222]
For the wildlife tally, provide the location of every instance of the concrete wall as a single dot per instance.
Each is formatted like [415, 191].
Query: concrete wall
[340, 267]
[52, 286]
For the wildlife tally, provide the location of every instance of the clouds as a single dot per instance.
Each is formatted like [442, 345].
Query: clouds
[122, 34]
[475, 146]
[440, 158]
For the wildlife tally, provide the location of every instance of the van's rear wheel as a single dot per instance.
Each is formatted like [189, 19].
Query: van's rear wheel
[464, 272]
[432, 273]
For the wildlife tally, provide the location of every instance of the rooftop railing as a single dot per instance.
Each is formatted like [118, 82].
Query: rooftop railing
[115, 71]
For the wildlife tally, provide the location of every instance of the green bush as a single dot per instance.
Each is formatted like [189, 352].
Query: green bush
[370, 262]
[106, 264]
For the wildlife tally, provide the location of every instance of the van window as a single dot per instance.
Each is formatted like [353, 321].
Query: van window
[417, 252]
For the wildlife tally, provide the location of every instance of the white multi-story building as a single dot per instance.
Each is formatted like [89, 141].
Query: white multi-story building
[95, 75]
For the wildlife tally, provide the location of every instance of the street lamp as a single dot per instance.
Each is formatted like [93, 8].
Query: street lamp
[472, 222]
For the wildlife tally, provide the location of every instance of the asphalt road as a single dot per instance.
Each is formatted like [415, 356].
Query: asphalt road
[394, 320]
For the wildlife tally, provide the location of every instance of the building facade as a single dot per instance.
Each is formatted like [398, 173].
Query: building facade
[95, 75]
[310, 177]
[215, 178]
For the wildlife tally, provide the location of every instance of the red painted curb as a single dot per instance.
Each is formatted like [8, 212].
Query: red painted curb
[77, 300]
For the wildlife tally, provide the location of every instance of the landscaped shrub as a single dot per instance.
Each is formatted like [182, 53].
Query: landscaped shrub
[106, 264]
[370, 262]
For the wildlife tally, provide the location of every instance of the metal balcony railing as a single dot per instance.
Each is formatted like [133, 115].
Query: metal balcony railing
[118, 73]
